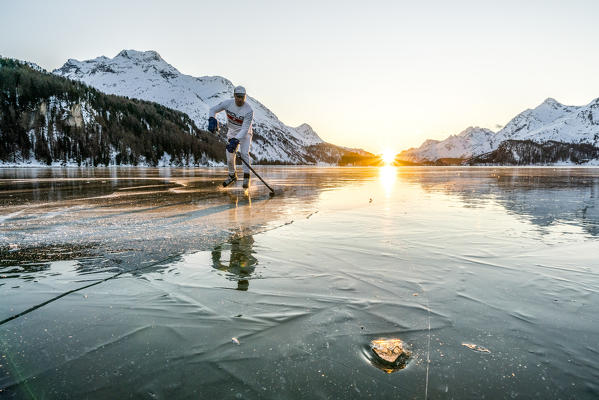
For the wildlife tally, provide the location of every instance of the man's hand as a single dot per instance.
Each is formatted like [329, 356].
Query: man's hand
[232, 146]
[212, 124]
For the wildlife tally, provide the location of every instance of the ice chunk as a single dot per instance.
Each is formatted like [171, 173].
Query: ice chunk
[391, 354]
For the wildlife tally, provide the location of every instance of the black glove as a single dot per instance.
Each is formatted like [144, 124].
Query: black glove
[212, 124]
[232, 146]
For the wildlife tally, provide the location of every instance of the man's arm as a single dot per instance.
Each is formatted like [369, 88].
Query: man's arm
[245, 127]
[217, 108]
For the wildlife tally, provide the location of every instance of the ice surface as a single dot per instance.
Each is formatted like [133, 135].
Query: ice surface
[489, 273]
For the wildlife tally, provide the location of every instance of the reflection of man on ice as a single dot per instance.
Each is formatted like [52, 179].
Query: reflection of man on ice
[239, 132]
[242, 262]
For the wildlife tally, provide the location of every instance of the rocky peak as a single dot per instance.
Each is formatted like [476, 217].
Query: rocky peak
[551, 101]
[472, 130]
[308, 134]
[147, 56]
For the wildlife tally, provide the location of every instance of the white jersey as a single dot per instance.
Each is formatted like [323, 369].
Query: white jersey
[239, 119]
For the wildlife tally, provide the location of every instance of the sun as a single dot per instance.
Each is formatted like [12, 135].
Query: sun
[388, 157]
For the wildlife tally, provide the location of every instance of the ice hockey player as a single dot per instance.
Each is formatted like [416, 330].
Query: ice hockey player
[239, 132]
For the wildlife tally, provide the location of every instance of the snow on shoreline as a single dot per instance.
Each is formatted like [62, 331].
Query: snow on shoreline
[590, 164]
[37, 164]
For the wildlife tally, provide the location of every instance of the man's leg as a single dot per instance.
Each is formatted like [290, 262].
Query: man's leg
[231, 167]
[244, 149]
[231, 162]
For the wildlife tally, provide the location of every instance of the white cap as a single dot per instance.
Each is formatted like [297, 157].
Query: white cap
[239, 90]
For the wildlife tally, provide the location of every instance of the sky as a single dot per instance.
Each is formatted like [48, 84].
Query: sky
[380, 75]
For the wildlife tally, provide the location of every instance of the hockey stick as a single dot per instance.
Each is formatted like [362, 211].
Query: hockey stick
[272, 191]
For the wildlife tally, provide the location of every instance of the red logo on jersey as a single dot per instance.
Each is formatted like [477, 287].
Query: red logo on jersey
[234, 119]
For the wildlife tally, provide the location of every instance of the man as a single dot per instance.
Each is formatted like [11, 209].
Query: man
[239, 133]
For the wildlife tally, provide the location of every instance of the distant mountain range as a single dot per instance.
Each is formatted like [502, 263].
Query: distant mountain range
[550, 133]
[50, 126]
[145, 75]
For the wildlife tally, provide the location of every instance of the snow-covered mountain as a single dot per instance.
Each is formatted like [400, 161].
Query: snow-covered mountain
[554, 121]
[145, 75]
[473, 140]
[51, 120]
[550, 121]
[308, 135]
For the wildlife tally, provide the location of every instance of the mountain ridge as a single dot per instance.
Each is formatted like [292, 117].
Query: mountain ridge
[147, 76]
[550, 121]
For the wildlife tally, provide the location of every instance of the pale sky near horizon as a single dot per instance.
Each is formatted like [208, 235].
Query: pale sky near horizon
[376, 75]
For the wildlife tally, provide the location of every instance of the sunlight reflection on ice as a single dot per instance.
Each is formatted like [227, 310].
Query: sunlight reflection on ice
[387, 178]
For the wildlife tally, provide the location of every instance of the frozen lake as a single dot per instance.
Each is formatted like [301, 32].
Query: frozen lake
[157, 283]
